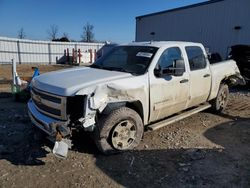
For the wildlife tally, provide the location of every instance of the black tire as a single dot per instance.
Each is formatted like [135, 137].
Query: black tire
[17, 97]
[220, 102]
[118, 131]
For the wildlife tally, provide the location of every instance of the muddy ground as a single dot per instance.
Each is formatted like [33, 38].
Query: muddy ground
[204, 150]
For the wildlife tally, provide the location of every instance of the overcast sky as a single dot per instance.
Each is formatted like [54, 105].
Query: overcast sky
[113, 20]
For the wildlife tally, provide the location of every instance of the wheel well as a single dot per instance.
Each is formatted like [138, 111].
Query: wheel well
[225, 81]
[134, 105]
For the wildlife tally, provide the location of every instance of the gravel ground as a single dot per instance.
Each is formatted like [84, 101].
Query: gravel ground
[204, 150]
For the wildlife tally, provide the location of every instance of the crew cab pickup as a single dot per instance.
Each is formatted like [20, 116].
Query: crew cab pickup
[134, 87]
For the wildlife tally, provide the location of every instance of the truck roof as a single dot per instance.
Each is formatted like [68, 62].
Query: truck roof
[160, 44]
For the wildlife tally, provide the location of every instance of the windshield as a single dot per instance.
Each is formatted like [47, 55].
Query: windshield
[131, 59]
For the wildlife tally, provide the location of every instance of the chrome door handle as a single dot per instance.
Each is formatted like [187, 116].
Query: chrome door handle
[206, 75]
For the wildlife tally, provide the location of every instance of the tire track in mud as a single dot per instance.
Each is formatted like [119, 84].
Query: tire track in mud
[239, 106]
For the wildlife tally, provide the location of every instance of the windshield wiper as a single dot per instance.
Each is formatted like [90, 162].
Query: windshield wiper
[115, 69]
[108, 68]
[96, 66]
[120, 69]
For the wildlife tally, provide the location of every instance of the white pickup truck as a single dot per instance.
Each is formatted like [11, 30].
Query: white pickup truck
[133, 87]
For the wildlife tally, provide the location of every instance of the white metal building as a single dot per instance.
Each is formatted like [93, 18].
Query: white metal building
[218, 24]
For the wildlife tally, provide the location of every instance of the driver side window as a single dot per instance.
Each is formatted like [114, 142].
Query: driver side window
[169, 56]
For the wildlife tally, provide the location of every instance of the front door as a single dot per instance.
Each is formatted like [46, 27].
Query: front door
[168, 94]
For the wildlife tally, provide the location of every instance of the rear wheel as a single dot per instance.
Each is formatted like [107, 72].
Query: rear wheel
[220, 102]
[120, 130]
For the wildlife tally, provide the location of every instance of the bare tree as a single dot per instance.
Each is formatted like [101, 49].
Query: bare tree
[21, 34]
[88, 34]
[66, 35]
[53, 32]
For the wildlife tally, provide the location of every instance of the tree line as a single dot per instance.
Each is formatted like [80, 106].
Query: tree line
[53, 34]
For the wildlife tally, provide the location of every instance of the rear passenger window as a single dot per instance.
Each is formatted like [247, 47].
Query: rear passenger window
[196, 58]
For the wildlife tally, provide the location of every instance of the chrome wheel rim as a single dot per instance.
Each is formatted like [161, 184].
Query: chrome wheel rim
[223, 99]
[123, 135]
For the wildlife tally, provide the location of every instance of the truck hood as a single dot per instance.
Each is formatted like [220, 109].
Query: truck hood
[70, 81]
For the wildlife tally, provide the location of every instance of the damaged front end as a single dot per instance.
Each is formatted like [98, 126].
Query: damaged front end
[57, 116]
[58, 131]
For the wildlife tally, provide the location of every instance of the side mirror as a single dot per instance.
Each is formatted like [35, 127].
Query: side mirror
[158, 72]
[177, 69]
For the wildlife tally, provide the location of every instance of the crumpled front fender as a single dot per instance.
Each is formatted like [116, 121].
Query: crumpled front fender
[128, 90]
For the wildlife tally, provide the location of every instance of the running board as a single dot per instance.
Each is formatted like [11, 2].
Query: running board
[178, 117]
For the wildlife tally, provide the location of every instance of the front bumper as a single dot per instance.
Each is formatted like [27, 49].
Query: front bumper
[41, 121]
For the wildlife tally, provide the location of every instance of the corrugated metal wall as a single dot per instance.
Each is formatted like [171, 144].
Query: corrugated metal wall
[212, 24]
[41, 52]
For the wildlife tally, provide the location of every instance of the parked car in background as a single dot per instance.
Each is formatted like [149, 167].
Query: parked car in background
[241, 54]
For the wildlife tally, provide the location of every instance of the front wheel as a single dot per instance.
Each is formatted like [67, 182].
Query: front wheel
[220, 102]
[120, 130]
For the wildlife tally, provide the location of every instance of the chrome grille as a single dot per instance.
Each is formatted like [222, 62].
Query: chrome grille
[49, 104]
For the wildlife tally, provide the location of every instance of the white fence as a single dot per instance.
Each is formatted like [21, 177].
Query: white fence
[44, 52]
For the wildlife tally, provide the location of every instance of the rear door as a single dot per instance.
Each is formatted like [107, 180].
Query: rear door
[168, 94]
[199, 75]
